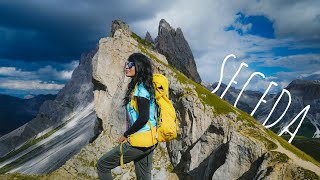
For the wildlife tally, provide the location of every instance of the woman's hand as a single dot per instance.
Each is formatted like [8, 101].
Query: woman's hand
[122, 138]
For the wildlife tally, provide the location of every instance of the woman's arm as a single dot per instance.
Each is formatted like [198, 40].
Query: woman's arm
[143, 107]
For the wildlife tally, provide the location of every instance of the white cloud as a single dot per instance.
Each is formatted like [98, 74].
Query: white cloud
[72, 65]
[65, 74]
[307, 74]
[29, 85]
[54, 73]
[43, 73]
[13, 71]
[40, 81]
[300, 62]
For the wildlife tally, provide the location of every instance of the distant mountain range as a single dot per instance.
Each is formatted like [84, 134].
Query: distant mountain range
[15, 112]
[303, 93]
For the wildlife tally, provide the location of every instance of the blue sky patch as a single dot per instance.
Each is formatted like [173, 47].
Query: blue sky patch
[285, 51]
[268, 71]
[261, 26]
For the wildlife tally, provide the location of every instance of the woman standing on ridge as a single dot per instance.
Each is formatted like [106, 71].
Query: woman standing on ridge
[141, 121]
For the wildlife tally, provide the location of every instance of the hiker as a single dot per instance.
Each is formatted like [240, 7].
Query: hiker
[141, 119]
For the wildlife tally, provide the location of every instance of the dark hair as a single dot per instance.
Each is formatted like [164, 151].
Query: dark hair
[143, 74]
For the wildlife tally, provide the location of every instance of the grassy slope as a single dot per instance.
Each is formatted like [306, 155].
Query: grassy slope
[310, 146]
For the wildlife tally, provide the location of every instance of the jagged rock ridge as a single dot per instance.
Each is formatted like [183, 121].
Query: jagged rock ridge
[148, 38]
[173, 45]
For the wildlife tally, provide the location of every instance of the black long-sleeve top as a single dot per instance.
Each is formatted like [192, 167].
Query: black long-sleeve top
[144, 110]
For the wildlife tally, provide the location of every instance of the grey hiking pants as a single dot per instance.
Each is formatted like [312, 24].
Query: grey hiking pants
[142, 158]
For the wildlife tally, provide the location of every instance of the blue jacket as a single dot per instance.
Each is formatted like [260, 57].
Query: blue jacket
[133, 115]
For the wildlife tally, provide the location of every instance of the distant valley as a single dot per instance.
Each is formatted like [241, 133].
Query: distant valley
[15, 112]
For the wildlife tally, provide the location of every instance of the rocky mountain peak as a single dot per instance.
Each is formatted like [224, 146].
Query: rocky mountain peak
[148, 38]
[164, 24]
[307, 88]
[118, 24]
[300, 83]
[179, 31]
[174, 46]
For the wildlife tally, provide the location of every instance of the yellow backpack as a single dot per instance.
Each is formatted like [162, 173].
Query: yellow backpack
[166, 115]
[167, 125]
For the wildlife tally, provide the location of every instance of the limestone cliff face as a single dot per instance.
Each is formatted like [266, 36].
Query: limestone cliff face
[216, 141]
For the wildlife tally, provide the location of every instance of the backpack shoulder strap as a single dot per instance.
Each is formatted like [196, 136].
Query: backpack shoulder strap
[133, 102]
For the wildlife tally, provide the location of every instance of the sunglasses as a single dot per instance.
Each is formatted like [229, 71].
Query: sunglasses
[130, 64]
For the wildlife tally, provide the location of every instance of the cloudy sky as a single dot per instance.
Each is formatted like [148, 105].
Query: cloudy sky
[41, 40]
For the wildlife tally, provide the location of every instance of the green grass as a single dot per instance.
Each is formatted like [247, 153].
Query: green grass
[311, 146]
[93, 164]
[170, 168]
[305, 174]
[18, 176]
[249, 120]
[81, 157]
[292, 148]
[257, 134]
[141, 41]
[279, 157]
